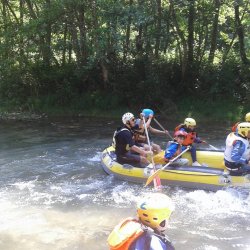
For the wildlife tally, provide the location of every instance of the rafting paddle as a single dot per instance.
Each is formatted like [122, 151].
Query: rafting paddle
[163, 129]
[157, 180]
[213, 147]
[151, 177]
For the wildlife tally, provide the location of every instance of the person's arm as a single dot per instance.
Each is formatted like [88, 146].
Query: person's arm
[170, 151]
[157, 131]
[147, 122]
[140, 151]
[238, 151]
[198, 140]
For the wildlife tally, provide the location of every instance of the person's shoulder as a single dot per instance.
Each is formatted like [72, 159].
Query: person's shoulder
[123, 131]
[238, 143]
[173, 144]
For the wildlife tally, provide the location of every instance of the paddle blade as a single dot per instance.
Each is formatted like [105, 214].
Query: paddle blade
[151, 177]
[157, 183]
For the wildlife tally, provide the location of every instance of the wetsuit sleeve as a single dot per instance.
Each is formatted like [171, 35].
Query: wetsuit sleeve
[170, 151]
[237, 152]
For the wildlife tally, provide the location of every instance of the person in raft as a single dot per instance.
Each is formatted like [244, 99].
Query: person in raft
[140, 134]
[146, 232]
[175, 148]
[125, 147]
[189, 127]
[237, 152]
[247, 118]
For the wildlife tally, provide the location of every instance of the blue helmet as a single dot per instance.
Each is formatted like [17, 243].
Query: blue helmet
[147, 112]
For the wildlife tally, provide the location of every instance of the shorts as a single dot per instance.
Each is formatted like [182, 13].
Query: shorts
[129, 158]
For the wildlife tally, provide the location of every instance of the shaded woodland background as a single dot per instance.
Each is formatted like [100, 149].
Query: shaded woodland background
[104, 54]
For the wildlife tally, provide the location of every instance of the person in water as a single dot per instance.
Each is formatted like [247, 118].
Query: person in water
[146, 232]
[125, 147]
[237, 152]
[192, 137]
[247, 119]
[175, 148]
[140, 134]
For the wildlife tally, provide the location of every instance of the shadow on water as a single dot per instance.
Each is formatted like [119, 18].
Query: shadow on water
[55, 195]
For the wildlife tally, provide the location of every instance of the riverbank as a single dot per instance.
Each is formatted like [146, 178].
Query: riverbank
[202, 110]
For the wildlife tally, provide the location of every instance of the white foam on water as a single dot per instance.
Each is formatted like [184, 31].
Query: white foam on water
[95, 158]
[25, 185]
[39, 228]
[206, 247]
[225, 203]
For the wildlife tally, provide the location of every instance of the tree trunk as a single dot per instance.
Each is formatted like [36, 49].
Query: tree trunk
[191, 16]
[214, 31]
[47, 39]
[184, 51]
[128, 30]
[224, 58]
[82, 29]
[158, 28]
[21, 46]
[65, 33]
[240, 32]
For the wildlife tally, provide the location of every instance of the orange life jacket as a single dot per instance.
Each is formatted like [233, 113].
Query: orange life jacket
[124, 234]
[190, 135]
[140, 136]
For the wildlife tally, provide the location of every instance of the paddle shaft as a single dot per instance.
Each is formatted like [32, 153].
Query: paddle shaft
[157, 181]
[163, 129]
[151, 177]
[213, 147]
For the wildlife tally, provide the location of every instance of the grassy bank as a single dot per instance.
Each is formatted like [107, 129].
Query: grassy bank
[108, 106]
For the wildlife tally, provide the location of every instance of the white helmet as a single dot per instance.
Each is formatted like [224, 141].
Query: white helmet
[126, 117]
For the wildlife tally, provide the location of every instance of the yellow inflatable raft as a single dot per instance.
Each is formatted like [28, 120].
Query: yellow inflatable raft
[206, 177]
[208, 158]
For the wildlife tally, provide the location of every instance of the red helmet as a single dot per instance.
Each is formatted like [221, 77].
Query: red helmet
[180, 133]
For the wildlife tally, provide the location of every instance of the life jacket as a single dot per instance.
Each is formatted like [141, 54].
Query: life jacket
[118, 130]
[231, 139]
[234, 127]
[124, 234]
[139, 134]
[178, 151]
[191, 135]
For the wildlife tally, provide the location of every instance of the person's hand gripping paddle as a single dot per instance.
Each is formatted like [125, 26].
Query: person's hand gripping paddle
[155, 174]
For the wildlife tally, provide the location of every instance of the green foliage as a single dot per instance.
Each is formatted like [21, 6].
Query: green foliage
[99, 54]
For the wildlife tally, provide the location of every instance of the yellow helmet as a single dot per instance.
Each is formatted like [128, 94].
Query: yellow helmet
[243, 128]
[189, 122]
[155, 210]
[247, 117]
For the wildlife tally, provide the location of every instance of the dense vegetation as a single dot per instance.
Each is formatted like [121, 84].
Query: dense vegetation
[171, 55]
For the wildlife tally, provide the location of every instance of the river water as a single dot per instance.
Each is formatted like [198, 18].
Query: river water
[55, 195]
